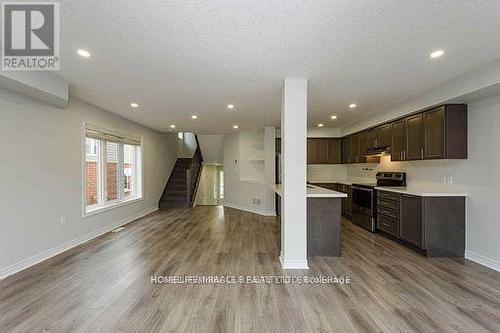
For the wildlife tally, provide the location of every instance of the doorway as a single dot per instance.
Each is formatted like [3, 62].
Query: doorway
[211, 186]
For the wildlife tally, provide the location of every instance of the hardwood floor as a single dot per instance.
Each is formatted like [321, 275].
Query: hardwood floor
[104, 285]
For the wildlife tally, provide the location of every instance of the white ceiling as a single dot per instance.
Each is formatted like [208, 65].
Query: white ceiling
[184, 57]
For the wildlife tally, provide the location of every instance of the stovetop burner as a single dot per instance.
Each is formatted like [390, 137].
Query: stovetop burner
[391, 178]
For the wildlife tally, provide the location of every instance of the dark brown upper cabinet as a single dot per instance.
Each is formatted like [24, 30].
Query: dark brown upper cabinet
[414, 138]
[322, 157]
[398, 144]
[346, 145]
[324, 151]
[372, 139]
[362, 147]
[445, 132]
[384, 136]
[439, 133]
[334, 155]
[312, 151]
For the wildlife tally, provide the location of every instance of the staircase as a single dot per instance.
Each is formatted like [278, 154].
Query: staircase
[181, 187]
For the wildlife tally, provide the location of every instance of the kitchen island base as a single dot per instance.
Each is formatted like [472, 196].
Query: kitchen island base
[324, 227]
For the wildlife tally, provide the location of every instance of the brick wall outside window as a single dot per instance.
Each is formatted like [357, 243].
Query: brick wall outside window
[91, 182]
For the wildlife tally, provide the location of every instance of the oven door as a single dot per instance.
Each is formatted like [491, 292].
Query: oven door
[362, 200]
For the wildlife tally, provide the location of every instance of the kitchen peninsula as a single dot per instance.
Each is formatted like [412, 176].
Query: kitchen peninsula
[324, 221]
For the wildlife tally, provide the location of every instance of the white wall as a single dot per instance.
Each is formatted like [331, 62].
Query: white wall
[211, 148]
[456, 90]
[240, 193]
[317, 132]
[41, 177]
[326, 172]
[187, 146]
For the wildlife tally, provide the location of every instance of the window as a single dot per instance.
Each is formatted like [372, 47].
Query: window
[112, 169]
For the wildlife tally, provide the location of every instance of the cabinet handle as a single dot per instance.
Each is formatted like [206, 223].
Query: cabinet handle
[401, 155]
[386, 225]
[422, 153]
[404, 154]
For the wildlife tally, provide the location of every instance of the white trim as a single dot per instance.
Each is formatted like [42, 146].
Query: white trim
[47, 254]
[482, 260]
[112, 205]
[293, 264]
[101, 179]
[250, 209]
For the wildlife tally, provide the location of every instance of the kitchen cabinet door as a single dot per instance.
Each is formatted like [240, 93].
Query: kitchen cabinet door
[414, 138]
[312, 151]
[322, 155]
[362, 147]
[411, 222]
[434, 134]
[346, 151]
[398, 140]
[334, 151]
[348, 200]
[384, 137]
[372, 139]
[354, 149]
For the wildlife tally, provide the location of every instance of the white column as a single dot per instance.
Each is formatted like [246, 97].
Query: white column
[269, 168]
[293, 148]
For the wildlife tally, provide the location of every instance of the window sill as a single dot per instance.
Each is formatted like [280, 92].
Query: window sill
[111, 206]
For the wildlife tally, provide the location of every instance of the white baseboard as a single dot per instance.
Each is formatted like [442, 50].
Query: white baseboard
[482, 260]
[47, 254]
[293, 264]
[250, 209]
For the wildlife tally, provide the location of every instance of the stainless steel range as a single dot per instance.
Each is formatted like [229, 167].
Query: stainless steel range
[364, 201]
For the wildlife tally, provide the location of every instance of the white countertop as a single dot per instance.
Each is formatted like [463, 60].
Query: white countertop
[315, 192]
[424, 191]
[330, 182]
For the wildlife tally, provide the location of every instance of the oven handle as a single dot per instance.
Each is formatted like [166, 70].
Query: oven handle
[361, 188]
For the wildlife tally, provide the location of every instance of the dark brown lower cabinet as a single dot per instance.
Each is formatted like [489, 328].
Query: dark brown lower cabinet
[435, 225]
[347, 202]
[411, 222]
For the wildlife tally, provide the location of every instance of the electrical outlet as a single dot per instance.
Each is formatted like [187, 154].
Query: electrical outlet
[448, 180]
[62, 220]
[256, 201]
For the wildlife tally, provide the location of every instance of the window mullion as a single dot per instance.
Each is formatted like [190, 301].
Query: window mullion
[102, 173]
[120, 178]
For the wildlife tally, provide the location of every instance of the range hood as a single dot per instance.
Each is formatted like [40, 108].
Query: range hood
[378, 151]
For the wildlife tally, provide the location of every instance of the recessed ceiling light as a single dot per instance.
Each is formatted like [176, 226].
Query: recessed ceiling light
[437, 54]
[134, 105]
[352, 106]
[172, 126]
[334, 117]
[194, 117]
[320, 125]
[235, 126]
[83, 53]
[230, 106]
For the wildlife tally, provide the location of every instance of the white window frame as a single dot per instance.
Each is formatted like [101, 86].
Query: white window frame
[104, 206]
